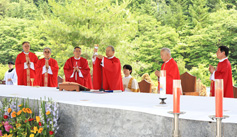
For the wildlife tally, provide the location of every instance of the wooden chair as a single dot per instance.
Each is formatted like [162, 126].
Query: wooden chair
[188, 83]
[145, 86]
[235, 91]
[2, 82]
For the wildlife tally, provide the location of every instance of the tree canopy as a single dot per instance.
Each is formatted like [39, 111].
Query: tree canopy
[138, 29]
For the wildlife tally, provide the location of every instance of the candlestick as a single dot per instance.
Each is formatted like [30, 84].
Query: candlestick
[176, 95]
[219, 97]
[162, 84]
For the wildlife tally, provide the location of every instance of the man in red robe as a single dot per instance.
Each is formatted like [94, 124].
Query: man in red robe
[223, 71]
[25, 65]
[171, 67]
[107, 69]
[76, 69]
[47, 70]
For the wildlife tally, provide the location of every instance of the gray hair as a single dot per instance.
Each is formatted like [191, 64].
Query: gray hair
[47, 48]
[111, 47]
[166, 50]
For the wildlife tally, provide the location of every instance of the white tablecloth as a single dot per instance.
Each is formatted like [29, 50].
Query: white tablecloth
[196, 108]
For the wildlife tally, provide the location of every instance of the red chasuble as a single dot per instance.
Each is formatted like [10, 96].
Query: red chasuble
[112, 78]
[172, 72]
[82, 64]
[50, 78]
[224, 72]
[24, 75]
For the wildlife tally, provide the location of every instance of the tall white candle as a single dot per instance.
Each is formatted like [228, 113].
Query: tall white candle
[162, 84]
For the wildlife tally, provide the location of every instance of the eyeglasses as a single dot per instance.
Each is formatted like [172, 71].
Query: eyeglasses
[46, 51]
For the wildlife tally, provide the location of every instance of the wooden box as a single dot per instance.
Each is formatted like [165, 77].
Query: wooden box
[72, 86]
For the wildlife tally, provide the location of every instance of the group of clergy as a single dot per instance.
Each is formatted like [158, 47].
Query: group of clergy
[106, 70]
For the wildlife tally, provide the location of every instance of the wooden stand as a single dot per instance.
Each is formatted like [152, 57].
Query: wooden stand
[72, 86]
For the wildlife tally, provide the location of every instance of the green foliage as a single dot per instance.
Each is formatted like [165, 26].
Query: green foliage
[3, 7]
[174, 13]
[87, 23]
[198, 12]
[152, 36]
[138, 29]
[3, 70]
[201, 72]
[22, 9]
[13, 32]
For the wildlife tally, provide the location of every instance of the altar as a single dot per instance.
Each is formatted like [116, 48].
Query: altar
[125, 114]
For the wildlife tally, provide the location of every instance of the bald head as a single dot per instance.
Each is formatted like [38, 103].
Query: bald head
[165, 54]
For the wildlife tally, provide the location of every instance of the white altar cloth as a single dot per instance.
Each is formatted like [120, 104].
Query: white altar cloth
[196, 107]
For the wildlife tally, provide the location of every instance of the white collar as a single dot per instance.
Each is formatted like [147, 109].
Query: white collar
[47, 59]
[128, 76]
[26, 53]
[223, 59]
[110, 57]
[168, 60]
[77, 58]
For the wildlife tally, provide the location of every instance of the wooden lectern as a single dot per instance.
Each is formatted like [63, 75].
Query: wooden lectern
[72, 86]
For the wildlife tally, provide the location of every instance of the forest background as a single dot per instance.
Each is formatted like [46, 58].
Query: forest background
[138, 29]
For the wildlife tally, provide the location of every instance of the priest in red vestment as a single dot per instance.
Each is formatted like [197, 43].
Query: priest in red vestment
[109, 69]
[25, 65]
[223, 71]
[76, 69]
[171, 67]
[47, 70]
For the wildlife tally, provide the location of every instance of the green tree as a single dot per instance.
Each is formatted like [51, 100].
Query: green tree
[87, 23]
[3, 7]
[152, 36]
[13, 32]
[198, 12]
[23, 9]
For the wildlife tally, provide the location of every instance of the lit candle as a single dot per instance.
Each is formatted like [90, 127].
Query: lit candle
[162, 84]
[219, 97]
[176, 95]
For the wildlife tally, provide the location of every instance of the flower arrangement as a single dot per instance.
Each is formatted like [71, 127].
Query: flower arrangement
[20, 120]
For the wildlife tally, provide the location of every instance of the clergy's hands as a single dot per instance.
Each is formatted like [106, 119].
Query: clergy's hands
[99, 56]
[157, 73]
[211, 69]
[75, 69]
[9, 79]
[95, 50]
[28, 62]
[96, 47]
[124, 87]
[47, 64]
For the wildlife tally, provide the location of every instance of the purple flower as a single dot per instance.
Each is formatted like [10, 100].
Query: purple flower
[1, 133]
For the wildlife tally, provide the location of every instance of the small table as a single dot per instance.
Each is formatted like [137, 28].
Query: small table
[72, 86]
